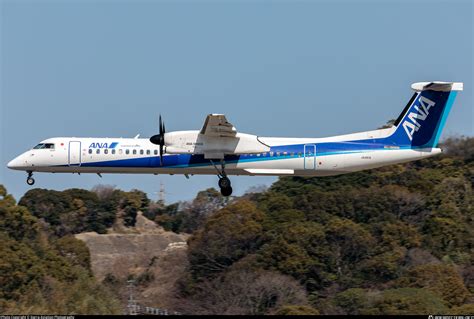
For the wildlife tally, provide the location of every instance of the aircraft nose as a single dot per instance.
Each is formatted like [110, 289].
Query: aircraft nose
[14, 163]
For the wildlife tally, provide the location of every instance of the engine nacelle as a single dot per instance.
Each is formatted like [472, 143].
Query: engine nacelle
[192, 142]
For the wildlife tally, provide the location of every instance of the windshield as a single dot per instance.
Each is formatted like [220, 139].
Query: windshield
[44, 145]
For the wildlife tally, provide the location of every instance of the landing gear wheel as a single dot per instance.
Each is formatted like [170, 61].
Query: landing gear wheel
[30, 181]
[226, 191]
[224, 182]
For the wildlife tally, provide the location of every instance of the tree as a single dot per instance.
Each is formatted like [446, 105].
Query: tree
[228, 235]
[245, 292]
[40, 273]
[442, 280]
[406, 301]
[353, 301]
[351, 241]
[384, 266]
[297, 311]
[74, 250]
[194, 214]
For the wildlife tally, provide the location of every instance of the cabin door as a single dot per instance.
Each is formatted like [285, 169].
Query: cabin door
[74, 153]
[310, 156]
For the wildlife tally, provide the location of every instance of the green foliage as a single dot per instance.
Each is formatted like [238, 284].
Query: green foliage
[229, 235]
[74, 250]
[43, 274]
[297, 311]
[17, 222]
[406, 301]
[442, 280]
[353, 300]
[77, 210]
[383, 267]
[462, 310]
[403, 301]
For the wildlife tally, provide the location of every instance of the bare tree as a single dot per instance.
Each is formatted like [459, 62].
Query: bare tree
[103, 191]
[245, 292]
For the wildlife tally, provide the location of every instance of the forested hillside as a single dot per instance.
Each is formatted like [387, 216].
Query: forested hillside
[396, 240]
[41, 273]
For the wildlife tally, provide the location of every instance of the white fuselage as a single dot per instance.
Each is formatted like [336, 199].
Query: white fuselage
[267, 156]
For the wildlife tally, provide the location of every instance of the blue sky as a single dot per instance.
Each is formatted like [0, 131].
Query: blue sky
[275, 68]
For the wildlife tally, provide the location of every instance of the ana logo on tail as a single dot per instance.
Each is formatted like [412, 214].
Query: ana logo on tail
[411, 123]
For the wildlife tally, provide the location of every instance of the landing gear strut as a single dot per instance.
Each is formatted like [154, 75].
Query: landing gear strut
[30, 180]
[224, 181]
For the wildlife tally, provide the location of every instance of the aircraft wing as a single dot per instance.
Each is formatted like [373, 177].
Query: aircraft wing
[216, 139]
[217, 125]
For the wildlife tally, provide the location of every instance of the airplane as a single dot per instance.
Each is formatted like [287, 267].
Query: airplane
[219, 149]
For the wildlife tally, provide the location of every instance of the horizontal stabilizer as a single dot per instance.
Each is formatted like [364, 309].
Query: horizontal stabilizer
[437, 86]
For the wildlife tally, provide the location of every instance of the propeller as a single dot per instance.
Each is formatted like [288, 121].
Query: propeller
[159, 139]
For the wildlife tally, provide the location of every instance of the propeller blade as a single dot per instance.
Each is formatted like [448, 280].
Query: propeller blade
[161, 154]
[160, 124]
[161, 140]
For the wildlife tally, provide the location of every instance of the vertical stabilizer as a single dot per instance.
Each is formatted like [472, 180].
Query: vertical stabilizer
[423, 119]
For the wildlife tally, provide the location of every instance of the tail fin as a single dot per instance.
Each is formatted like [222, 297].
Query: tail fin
[423, 119]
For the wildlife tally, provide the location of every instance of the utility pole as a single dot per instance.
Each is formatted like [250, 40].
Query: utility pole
[132, 305]
[162, 192]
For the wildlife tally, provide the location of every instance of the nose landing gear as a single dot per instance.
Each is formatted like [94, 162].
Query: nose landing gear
[30, 180]
[224, 181]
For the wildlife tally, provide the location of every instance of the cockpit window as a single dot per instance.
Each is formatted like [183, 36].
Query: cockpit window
[44, 145]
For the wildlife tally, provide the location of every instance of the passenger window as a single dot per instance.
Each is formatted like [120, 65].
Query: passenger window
[141, 152]
[113, 151]
[156, 152]
[292, 154]
[147, 152]
[285, 153]
[278, 153]
[90, 150]
[106, 151]
[271, 153]
[120, 151]
[299, 154]
[134, 152]
[127, 152]
[98, 151]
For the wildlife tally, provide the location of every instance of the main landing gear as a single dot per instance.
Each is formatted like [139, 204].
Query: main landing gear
[224, 181]
[30, 180]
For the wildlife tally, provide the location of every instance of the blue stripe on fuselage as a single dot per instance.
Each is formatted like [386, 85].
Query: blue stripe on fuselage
[188, 160]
